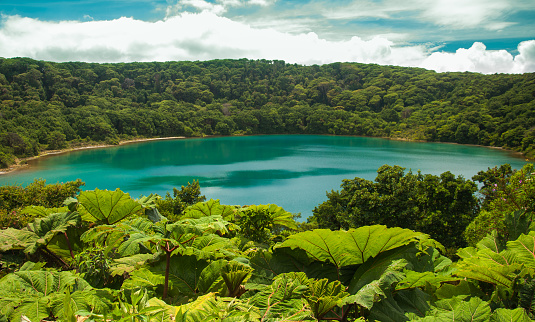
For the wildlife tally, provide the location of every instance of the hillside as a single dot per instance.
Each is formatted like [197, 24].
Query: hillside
[47, 105]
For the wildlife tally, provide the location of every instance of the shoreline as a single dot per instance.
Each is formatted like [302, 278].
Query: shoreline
[22, 163]
[513, 152]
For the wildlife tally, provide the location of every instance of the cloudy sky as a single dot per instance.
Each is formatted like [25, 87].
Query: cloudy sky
[487, 36]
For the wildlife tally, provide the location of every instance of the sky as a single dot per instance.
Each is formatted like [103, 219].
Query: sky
[485, 36]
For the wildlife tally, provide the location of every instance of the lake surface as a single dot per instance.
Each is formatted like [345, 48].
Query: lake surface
[292, 171]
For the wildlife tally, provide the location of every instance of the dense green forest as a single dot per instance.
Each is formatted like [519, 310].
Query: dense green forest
[45, 105]
[72, 255]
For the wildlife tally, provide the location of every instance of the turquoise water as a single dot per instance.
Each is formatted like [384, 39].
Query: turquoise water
[292, 171]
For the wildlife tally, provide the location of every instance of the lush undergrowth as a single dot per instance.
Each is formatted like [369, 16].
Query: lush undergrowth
[50, 106]
[102, 256]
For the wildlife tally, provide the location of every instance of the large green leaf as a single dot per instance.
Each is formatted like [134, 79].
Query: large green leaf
[35, 294]
[375, 284]
[98, 234]
[210, 307]
[413, 301]
[40, 211]
[113, 236]
[323, 296]
[41, 282]
[178, 236]
[416, 279]
[474, 309]
[282, 217]
[8, 303]
[208, 208]
[190, 275]
[322, 245]
[284, 297]
[129, 264]
[235, 274]
[266, 265]
[211, 280]
[133, 243]
[505, 315]
[67, 245]
[524, 249]
[46, 228]
[183, 234]
[12, 238]
[214, 224]
[478, 269]
[272, 264]
[31, 266]
[91, 300]
[284, 260]
[278, 215]
[352, 247]
[67, 312]
[455, 309]
[197, 311]
[397, 307]
[143, 278]
[34, 308]
[488, 264]
[491, 242]
[464, 287]
[429, 260]
[209, 246]
[149, 201]
[108, 207]
[184, 274]
[374, 268]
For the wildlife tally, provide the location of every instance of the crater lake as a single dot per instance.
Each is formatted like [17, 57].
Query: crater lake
[292, 171]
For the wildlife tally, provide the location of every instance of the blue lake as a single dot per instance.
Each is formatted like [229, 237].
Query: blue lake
[292, 171]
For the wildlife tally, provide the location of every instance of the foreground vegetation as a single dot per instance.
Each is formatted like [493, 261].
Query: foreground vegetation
[104, 256]
[46, 105]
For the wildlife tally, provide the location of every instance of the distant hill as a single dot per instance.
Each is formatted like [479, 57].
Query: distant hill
[45, 105]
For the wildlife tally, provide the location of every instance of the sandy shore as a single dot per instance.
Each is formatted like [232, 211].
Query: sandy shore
[20, 163]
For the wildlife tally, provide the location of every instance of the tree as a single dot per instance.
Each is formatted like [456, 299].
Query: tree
[173, 207]
[13, 200]
[504, 191]
[439, 205]
[56, 140]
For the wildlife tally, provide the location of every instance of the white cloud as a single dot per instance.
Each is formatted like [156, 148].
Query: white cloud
[478, 59]
[200, 5]
[185, 37]
[525, 61]
[261, 2]
[454, 14]
[218, 8]
[365, 8]
[205, 35]
[461, 14]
